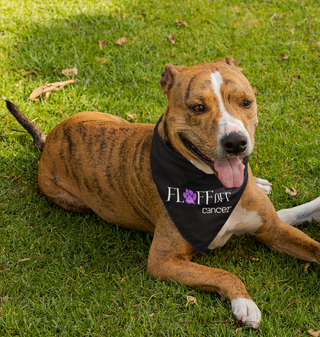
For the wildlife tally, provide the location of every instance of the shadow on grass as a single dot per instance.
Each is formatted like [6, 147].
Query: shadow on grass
[109, 76]
[116, 76]
[113, 77]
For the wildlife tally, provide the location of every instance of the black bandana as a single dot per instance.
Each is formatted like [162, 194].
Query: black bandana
[198, 203]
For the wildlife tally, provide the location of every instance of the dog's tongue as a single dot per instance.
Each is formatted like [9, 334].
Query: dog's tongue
[230, 171]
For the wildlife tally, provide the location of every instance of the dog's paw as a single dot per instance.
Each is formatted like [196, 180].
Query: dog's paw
[264, 184]
[246, 310]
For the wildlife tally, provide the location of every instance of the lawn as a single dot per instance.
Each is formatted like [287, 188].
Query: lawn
[65, 274]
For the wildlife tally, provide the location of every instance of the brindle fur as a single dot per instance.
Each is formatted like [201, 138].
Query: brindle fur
[95, 162]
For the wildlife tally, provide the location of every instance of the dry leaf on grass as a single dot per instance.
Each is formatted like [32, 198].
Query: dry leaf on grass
[291, 31]
[180, 23]
[35, 93]
[184, 23]
[30, 73]
[191, 300]
[285, 57]
[307, 266]
[102, 43]
[4, 299]
[172, 38]
[292, 191]
[314, 333]
[121, 41]
[115, 13]
[236, 331]
[103, 60]
[70, 71]
[47, 88]
[132, 117]
[146, 78]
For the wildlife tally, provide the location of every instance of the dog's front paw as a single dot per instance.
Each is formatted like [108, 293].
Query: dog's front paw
[246, 310]
[264, 184]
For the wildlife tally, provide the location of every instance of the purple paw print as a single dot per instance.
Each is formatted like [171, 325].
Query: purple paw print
[189, 196]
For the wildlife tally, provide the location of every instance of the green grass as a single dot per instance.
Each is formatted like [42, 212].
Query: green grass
[65, 274]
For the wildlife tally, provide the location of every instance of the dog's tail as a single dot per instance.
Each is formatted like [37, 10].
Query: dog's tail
[38, 136]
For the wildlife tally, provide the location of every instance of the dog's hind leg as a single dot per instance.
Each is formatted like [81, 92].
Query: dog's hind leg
[60, 196]
[64, 199]
[304, 213]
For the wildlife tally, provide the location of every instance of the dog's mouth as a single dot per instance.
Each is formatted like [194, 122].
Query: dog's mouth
[230, 171]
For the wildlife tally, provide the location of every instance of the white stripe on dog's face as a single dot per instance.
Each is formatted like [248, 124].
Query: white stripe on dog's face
[227, 123]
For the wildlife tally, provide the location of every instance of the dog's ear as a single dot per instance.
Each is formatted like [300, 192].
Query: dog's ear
[168, 75]
[230, 60]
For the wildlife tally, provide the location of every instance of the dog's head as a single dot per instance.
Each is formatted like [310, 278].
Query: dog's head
[211, 117]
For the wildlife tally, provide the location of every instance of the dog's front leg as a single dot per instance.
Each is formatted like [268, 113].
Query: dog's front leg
[170, 258]
[287, 239]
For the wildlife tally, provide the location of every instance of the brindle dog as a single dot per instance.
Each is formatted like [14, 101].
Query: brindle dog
[96, 162]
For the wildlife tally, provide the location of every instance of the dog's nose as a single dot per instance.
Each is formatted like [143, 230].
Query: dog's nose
[234, 143]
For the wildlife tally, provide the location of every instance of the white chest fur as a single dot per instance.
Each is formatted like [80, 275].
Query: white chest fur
[240, 221]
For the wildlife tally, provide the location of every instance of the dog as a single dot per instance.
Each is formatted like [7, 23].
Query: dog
[97, 162]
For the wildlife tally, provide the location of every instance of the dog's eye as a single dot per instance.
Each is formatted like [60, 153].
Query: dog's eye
[198, 108]
[246, 104]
